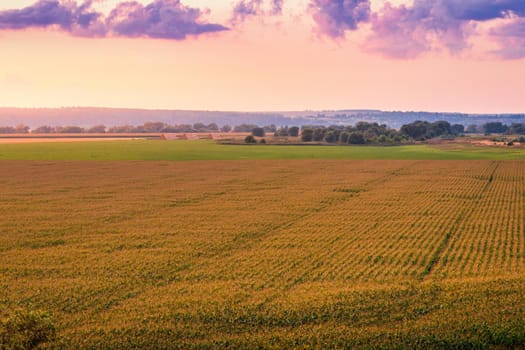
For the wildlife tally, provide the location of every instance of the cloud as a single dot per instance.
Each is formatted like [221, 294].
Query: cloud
[244, 9]
[45, 13]
[167, 19]
[511, 39]
[483, 10]
[250, 8]
[408, 31]
[334, 17]
[277, 7]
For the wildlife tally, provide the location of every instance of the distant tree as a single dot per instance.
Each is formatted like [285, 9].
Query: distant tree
[263, 141]
[421, 130]
[44, 129]
[472, 129]
[363, 126]
[398, 138]
[270, 128]
[372, 130]
[343, 137]
[283, 132]
[244, 128]
[212, 127]
[122, 129]
[138, 129]
[384, 139]
[226, 128]
[319, 134]
[153, 126]
[169, 128]
[250, 139]
[293, 131]
[22, 129]
[457, 129]
[199, 127]
[438, 128]
[7, 130]
[356, 138]
[331, 136]
[184, 128]
[259, 132]
[495, 128]
[307, 135]
[97, 129]
[517, 129]
[71, 130]
[416, 130]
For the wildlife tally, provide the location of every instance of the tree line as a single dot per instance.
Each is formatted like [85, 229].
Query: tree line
[497, 128]
[366, 133]
[148, 127]
[374, 133]
[360, 133]
[363, 133]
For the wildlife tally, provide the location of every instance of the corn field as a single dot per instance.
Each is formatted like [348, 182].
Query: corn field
[267, 254]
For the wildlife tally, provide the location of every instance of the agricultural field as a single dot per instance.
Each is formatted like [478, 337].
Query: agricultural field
[210, 150]
[311, 253]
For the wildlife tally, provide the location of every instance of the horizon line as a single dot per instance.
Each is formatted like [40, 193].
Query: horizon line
[267, 111]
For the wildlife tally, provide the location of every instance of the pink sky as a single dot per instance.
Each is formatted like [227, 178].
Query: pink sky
[311, 54]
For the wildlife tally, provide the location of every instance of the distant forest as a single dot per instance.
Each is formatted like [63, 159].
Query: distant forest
[373, 133]
[360, 133]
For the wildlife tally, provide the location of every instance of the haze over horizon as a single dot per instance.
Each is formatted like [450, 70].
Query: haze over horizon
[264, 55]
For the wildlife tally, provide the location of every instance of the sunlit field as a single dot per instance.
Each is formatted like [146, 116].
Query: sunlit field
[262, 174]
[265, 253]
[209, 150]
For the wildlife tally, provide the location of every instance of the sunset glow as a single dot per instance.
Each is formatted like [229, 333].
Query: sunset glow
[444, 55]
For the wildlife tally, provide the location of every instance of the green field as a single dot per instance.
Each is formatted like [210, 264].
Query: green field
[343, 253]
[209, 150]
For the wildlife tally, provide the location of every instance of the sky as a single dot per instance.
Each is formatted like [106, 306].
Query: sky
[264, 55]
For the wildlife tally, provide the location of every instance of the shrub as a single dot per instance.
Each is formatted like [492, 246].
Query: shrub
[26, 330]
[250, 139]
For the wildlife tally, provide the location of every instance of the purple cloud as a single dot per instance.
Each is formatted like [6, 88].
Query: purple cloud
[396, 33]
[407, 31]
[483, 10]
[511, 39]
[277, 7]
[167, 19]
[45, 13]
[248, 8]
[335, 17]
